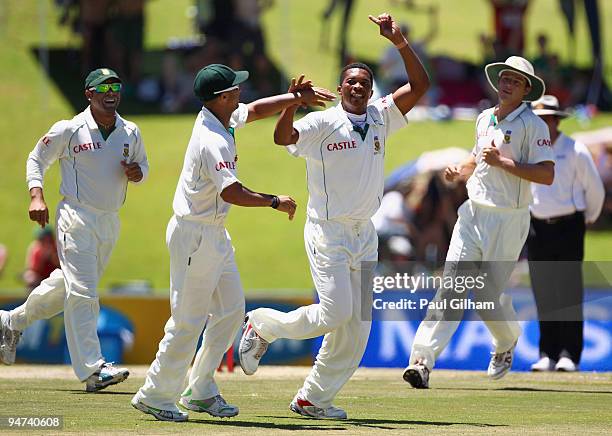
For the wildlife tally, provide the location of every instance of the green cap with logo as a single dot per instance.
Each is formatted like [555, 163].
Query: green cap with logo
[215, 79]
[101, 75]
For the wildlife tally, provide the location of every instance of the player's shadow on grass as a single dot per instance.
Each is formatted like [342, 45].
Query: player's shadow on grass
[250, 424]
[382, 424]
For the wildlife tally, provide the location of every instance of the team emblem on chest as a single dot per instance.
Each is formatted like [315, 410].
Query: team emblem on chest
[376, 145]
[126, 150]
[507, 136]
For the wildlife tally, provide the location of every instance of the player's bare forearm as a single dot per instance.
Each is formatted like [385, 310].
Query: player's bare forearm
[240, 195]
[541, 172]
[284, 133]
[408, 95]
[308, 96]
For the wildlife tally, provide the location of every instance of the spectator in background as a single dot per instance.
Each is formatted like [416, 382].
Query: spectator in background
[127, 40]
[93, 24]
[510, 25]
[41, 258]
[556, 243]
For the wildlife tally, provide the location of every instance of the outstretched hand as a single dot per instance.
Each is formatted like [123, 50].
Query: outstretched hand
[310, 95]
[388, 28]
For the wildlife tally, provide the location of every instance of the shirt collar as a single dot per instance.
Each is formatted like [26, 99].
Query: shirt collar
[515, 113]
[91, 123]
[344, 119]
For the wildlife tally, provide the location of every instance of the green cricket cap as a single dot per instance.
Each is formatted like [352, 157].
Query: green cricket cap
[214, 79]
[101, 75]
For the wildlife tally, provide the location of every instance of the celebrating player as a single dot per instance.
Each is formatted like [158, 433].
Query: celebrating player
[204, 278]
[344, 149]
[512, 149]
[99, 153]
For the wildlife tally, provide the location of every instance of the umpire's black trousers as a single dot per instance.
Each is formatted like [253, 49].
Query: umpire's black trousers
[555, 253]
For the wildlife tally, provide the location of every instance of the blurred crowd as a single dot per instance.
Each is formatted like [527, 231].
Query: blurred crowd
[226, 31]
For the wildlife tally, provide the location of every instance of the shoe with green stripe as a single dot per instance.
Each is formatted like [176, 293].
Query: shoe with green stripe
[215, 406]
[159, 414]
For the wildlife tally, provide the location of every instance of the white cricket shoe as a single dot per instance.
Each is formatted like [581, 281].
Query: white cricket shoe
[417, 375]
[107, 375]
[304, 407]
[566, 364]
[544, 364]
[252, 348]
[500, 363]
[8, 339]
[215, 406]
[159, 414]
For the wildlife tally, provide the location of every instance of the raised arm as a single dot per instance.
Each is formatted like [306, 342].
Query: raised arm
[407, 96]
[307, 95]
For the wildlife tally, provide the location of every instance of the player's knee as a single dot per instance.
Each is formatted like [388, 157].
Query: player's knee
[337, 317]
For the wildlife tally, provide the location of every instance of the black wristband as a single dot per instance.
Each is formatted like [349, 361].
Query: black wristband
[275, 202]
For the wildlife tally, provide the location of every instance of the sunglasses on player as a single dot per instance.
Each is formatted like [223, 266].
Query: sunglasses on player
[105, 87]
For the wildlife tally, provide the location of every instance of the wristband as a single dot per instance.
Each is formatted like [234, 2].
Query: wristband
[402, 44]
[275, 202]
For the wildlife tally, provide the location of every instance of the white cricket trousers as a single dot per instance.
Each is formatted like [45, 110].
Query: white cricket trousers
[335, 251]
[85, 240]
[204, 281]
[481, 233]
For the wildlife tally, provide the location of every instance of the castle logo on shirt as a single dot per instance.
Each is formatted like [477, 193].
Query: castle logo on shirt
[45, 140]
[89, 146]
[543, 142]
[226, 164]
[344, 145]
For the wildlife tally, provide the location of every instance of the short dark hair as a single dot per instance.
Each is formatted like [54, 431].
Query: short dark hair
[359, 65]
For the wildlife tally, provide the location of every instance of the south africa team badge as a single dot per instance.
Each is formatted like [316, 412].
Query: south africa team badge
[507, 136]
[126, 150]
[376, 145]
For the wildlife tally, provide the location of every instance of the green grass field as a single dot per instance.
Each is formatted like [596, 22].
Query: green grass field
[376, 400]
[269, 249]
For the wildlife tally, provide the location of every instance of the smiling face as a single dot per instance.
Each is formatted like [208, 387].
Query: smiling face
[104, 102]
[512, 88]
[355, 90]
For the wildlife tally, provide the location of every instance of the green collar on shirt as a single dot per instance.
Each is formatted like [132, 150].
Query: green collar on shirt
[105, 132]
[362, 132]
[231, 131]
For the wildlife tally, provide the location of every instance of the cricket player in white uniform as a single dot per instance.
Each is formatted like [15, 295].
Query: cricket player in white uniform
[344, 149]
[204, 278]
[99, 153]
[512, 150]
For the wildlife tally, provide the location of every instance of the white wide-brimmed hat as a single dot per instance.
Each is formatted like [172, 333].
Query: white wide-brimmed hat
[548, 105]
[521, 66]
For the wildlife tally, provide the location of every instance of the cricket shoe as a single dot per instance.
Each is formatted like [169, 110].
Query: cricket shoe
[252, 348]
[544, 364]
[306, 408]
[417, 375]
[215, 406]
[159, 414]
[106, 376]
[566, 364]
[500, 363]
[8, 339]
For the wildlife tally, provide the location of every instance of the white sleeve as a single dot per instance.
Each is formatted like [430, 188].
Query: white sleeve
[476, 148]
[221, 167]
[239, 116]
[310, 131]
[540, 146]
[140, 156]
[48, 149]
[391, 115]
[588, 176]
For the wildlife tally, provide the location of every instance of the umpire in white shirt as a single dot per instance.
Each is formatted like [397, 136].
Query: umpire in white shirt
[556, 243]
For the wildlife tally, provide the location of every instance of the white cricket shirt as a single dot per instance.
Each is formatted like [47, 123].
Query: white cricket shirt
[210, 166]
[577, 185]
[523, 137]
[345, 170]
[90, 166]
